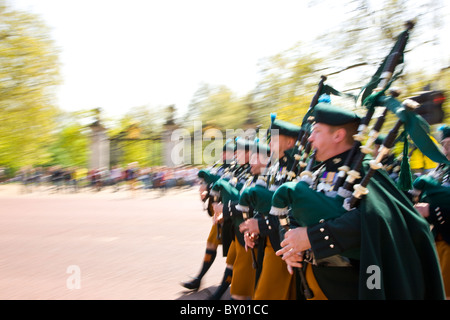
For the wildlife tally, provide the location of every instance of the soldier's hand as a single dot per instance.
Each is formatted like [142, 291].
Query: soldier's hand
[249, 241]
[295, 240]
[250, 226]
[294, 261]
[423, 208]
[203, 191]
[218, 216]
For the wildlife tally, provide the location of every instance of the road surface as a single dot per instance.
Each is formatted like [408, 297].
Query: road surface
[103, 245]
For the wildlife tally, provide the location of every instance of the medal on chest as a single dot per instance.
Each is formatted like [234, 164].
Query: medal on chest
[326, 181]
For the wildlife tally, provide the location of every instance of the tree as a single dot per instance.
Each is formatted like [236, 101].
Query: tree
[367, 30]
[217, 107]
[287, 83]
[29, 73]
[70, 149]
[353, 50]
[136, 138]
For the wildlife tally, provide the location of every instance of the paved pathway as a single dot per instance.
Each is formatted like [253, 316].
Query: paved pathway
[103, 245]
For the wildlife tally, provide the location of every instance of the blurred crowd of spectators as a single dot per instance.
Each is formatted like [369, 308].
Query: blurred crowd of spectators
[133, 177]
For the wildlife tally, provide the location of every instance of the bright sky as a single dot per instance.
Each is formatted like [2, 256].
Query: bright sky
[119, 54]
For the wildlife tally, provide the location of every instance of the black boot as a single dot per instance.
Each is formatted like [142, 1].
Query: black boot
[194, 284]
[226, 281]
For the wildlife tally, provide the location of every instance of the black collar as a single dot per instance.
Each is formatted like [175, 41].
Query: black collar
[288, 157]
[333, 163]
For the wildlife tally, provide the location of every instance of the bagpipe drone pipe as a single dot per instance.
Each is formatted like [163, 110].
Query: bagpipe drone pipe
[299, 199]
[208, 178]
[310, 204]
[433, 187]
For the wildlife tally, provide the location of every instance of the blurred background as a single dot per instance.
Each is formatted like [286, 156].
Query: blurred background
[41, 133]
[90, 91]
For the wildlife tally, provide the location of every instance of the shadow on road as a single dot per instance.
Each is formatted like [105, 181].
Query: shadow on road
[203, 294]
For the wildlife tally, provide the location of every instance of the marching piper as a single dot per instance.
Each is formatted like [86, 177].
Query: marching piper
[274, 281]
[207, 177]
[381, 249]
[227, 192]
[434, 206]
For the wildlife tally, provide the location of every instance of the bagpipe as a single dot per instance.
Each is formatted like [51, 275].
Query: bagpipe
[278, 176]
[233, 172]
[255, 200]
[220, 190]
[297, 195]
[248, 213]
[208, 177]
[301, 171]
[416, 128]
[300, 197]
[221, 169]
[433, 187]
[225, 169]
[347, 175]
[237, 176]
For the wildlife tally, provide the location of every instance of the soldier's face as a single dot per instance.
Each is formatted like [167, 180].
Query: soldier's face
[321, 140]
[227, 156]
[258, 162]
[280, 143]
[275, 146]
[242, 156]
